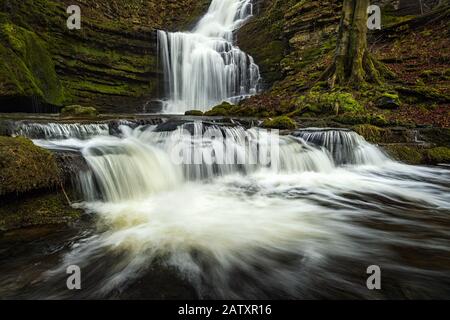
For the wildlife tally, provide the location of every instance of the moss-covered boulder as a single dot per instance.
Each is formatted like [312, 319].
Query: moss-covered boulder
[319, 103]
[282, 123]
[223, 109]
[195, 113]
[25, 167]
[36, 210]
[418, 154]
[79, 112]
[438, 136]
[389, 101]
[370, 132]
[405, 153]
[355, 118]
[440, 155]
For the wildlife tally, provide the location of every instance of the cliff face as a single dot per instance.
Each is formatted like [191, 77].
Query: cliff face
[111, 63]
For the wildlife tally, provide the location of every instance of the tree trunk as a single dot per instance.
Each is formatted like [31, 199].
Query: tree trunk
[353, 65]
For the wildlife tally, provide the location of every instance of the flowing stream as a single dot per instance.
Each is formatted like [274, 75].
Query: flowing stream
[203, 68]
[214, 211]
[204, 210]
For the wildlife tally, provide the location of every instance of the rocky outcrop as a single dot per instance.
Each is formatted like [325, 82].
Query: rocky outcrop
[25, 167]
[110, 64]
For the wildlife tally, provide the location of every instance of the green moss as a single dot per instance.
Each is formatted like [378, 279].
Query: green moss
[79, 111]
[389, 18]
[223, 109]
[438, 155]
[282, 123]
[362, 118]
[26, 66]
[390, 95]
[371, 133]
[196, 113]
[323, 103]
[25, 167]
[437, 136]
[408, 154]
[421, 93]
[36, 210]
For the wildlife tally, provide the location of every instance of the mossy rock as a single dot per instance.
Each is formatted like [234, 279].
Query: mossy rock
[352, 118]
[328, 103]
[26, 66]
[25, 167]
[388, 101]
[421, 93]
[408, 154]
[370, 132]
[36, 210]
[223, 109]
[282, 123]
[195, 113]
[437, 136]
[79, 111]
[440, 155]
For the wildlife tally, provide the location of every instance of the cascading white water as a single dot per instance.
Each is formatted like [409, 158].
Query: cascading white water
[305, 226]
[346, 147]
[202, 68]
[133, 164]
[60, 130]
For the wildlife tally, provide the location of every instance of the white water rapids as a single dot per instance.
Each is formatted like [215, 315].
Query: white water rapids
[306, 226]
[203, 68]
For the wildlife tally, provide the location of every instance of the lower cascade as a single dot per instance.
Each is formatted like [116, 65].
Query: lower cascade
[203, 68]
[233, 212]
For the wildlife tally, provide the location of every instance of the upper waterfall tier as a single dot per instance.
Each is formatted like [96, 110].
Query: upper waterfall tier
[202, 68]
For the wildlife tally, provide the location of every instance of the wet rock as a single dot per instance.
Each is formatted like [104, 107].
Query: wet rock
[70, 164]
[282, 123]
[196, 113]
[6, 128]
[24, 167]
[410, 154]
[440, 155]
[79, 111]
[388, 102]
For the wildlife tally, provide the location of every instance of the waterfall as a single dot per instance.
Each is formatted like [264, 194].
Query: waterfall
[202, 68]
[133, 161]
[51, 131]
[345, 146]
[247, 214]
[206, 151]
[127, 169]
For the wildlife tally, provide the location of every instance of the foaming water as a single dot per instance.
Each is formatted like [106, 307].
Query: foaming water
[306, 226]
[346, 147]
[60, 130]
[202, 68]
